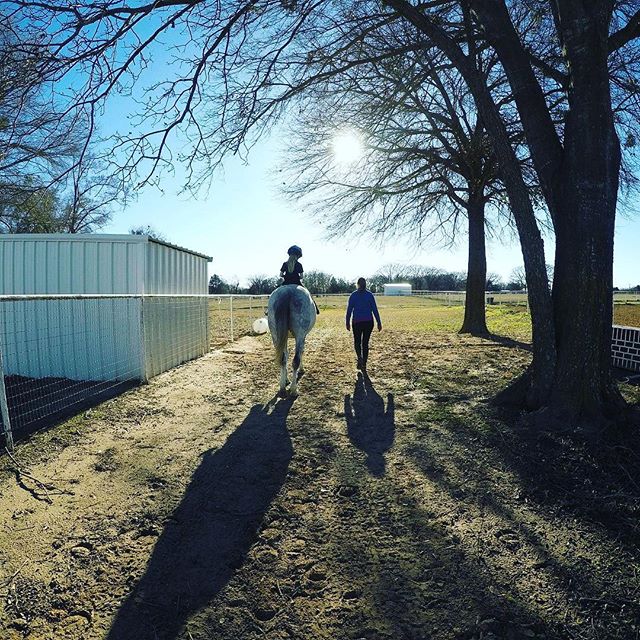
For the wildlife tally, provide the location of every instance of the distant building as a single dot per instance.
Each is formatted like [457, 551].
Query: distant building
[397, 289]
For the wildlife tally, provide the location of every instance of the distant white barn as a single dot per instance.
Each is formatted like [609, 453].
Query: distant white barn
[397, 289]
[112, 329]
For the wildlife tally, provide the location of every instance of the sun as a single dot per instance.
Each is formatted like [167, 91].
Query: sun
[347, 146]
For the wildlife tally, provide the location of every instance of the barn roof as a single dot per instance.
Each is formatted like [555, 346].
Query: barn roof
[105, 237]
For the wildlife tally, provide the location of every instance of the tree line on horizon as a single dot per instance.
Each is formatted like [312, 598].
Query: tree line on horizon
[421, 278]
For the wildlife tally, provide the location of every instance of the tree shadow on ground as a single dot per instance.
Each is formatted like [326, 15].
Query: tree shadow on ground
[417, 575]
[507, 342]
[210, 532]
[562, 485]
[370, 427]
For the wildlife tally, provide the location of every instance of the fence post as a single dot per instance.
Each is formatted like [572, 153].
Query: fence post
[231, 313]
[4, 407]
[207, 336]
[143, 344]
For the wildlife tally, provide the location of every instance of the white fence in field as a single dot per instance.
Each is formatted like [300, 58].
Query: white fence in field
[510, 297]
[452, 298]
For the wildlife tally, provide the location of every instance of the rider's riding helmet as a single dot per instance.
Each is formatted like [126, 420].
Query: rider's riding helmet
[295, 250]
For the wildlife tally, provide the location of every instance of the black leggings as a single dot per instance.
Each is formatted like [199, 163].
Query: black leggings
[361, 334]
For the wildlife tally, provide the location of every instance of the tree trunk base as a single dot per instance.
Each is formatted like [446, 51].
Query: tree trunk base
[613, 419]
[521, 394]
[479, 330]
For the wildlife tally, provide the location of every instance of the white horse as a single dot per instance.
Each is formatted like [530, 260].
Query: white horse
[291, 309]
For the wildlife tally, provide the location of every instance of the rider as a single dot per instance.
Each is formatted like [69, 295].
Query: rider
[292, 270]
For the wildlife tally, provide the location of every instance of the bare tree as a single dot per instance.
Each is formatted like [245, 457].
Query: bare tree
[261, 284]
[90, 195]
[317, 281]
[44, 152]
[37, 140]
[427, 167]
[517, 279]
[37, 210]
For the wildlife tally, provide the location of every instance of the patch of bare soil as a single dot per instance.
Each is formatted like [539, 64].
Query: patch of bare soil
[394, 506]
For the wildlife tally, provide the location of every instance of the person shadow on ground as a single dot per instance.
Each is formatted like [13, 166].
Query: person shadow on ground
[370, 427]
[211, 531]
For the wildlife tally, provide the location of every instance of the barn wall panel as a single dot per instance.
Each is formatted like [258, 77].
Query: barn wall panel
[172, 271]
[62, 263]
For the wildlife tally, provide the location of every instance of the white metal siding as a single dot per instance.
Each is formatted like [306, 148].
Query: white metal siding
[170, 270]
[60, 263]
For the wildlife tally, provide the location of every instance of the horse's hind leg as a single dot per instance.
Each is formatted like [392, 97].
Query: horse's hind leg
[297, 366]
[283, 372]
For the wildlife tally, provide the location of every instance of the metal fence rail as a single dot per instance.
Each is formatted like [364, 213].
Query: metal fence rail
[231, 316]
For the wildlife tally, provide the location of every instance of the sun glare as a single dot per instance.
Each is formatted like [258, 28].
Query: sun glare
[347, 147]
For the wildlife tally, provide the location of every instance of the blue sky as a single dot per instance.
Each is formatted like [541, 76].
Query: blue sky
[246, 226]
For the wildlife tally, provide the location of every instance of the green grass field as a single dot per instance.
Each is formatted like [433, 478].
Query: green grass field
[410, 313]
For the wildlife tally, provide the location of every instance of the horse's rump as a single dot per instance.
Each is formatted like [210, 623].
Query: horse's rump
[291, 309]
[279, 319]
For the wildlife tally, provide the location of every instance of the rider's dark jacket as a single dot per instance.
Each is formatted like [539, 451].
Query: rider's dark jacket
[294, 276]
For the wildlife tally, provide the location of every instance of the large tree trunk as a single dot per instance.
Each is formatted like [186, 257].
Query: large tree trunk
[580, 183]
[583, 281]
[474, 307]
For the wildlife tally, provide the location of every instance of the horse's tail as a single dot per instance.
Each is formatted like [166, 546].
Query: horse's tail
[282, 323]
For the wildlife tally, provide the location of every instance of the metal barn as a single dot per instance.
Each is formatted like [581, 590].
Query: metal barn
[397, 289]
[99, 307]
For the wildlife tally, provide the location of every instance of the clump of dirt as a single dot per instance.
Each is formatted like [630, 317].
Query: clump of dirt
[106, 460]
[394, 505]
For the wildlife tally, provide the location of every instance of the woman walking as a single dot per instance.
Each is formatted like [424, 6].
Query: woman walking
[362, 306]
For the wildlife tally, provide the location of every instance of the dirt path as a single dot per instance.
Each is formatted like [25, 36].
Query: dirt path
[199, 507]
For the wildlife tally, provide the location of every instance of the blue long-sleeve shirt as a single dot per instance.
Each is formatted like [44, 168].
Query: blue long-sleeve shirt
[362, 305]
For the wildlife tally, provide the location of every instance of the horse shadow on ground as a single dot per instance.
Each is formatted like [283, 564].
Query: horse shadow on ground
[370, 427]
[210, 532]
